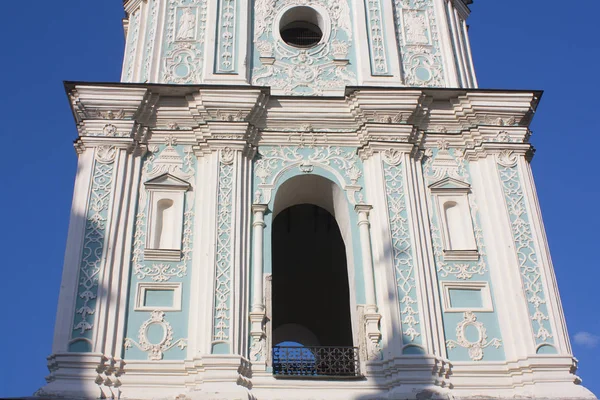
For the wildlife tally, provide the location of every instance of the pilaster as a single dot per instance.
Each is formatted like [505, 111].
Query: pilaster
[511, 305]
[556, 313]
[76, 234]
[426, 270]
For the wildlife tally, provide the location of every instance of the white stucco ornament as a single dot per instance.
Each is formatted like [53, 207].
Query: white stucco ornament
[476, 346]
[156, 349]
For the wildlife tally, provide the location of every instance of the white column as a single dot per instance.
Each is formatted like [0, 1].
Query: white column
[371, 316]
[367, 257]
[257, 315]
[258, 227]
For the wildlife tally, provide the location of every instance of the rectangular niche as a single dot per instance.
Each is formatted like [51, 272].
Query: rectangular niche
[165, 218]
[466, 296]
[451, 199]
[152, 296]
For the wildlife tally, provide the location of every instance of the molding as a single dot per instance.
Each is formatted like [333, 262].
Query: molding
[142, 287]
[162, 254]
[167, 182]
[461, 255]
[483, 287]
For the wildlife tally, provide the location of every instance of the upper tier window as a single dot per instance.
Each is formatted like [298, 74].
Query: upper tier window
[301, 27]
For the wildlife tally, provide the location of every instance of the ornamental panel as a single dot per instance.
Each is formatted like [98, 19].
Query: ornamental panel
[221, 337]
[177, 161]
[132, 46]
[445, 168]
[404, 266]
[92, 256]
[419, 40]
[306, 71]
[343, 162]
[525, 248]
[183, 42]
[226, 36]
[377, 43]
[150, 40]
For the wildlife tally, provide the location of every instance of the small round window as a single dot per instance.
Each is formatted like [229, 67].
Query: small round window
[301, 27]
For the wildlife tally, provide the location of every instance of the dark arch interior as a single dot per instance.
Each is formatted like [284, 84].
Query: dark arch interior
[310, 275]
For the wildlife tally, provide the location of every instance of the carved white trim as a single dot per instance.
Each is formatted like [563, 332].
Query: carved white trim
[475, 348]
[274, 161]
[156, 350]
[482, 287]
[143, 287]
[507, 158]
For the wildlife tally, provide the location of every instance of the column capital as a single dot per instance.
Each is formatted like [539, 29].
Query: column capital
[363, 208]
[259, 208]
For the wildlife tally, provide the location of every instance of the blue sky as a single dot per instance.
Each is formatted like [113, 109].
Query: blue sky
[532, 44]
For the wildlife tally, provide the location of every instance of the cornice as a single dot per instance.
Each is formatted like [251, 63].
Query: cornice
[250, 115]
[483, 150]
[132, 5]
[462, 6]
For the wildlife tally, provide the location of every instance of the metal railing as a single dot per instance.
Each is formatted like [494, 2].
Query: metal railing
[316, 362]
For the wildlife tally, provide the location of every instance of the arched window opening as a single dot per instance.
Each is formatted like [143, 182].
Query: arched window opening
[310, 295]
[301, 27]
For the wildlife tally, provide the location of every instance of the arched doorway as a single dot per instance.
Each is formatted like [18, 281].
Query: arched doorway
[311, 300]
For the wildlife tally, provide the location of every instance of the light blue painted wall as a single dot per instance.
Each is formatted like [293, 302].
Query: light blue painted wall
[161, 271]
[465, 298]
[461, 271]
[159, 298]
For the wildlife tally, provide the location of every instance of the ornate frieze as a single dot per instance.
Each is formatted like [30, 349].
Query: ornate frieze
[273, 159]
[527, 255]
[303, 71]
[183, 42]
[393, 170]
[418, 38]
[92, 255]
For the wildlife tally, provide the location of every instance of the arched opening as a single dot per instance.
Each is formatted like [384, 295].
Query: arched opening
[312, 267]
[301, 27]
[310, 278]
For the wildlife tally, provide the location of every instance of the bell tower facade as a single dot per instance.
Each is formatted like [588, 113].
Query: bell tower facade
[305, 199]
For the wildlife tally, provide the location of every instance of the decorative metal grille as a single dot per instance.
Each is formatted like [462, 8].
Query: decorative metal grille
[316, 362]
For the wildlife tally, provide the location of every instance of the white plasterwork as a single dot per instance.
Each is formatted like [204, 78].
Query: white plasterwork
[155, 350]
